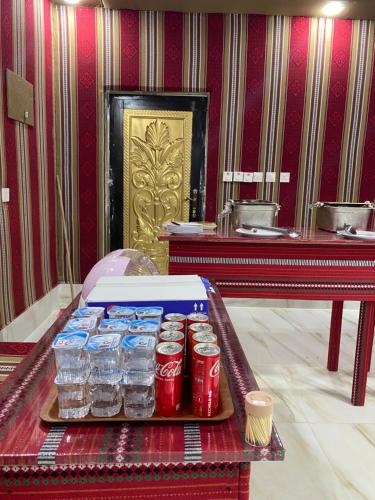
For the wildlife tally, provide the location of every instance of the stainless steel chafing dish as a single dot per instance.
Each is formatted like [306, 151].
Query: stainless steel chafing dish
[334, 216]
[260, 212]
[248, 212]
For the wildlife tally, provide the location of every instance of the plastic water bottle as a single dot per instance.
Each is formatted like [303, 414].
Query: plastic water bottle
[144, 327]
[106, 399]
[139, 352]
[73, 399]
[72, 363]
[105, 358]
[139, 398]
[87, 324]
[150, 313]
[123, 312]
[139, 375]
[118, 325]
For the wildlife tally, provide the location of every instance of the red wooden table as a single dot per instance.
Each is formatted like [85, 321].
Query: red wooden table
[318, 266]
[142, 461]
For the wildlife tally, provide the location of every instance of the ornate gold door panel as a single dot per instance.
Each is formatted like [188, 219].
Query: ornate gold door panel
[157, 161]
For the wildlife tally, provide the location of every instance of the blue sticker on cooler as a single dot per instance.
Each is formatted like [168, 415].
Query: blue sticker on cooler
[150, 311]
[83, 312]
[207, 285]
[103, 342]
[114, 325]
[138, 342]
[141, 326]
[74, 340]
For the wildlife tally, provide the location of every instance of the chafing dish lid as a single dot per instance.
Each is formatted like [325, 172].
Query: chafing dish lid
[252, 202]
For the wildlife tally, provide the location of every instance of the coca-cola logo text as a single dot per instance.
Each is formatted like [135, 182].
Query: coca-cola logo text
[170, 369]
[215, 369]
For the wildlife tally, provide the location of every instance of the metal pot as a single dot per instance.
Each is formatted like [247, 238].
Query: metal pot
[333, 216]
[260, 212]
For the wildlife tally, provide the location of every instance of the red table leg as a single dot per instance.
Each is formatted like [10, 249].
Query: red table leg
[370, 350]
[335, 336]
[364, 340]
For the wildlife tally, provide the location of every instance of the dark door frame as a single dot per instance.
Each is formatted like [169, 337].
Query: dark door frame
[116, 101]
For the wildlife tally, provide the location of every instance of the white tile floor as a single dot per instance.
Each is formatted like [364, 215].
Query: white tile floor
[330, 444]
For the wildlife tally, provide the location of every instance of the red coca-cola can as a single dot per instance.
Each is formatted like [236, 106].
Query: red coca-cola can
[198, 328]
[205, 380]
[172, 325]
[197, 317]
[168, 378]
[200, 338]
[172, 336]
[203, 338]
[181, 318]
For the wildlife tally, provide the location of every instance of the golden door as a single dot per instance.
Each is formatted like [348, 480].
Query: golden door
[157, 162]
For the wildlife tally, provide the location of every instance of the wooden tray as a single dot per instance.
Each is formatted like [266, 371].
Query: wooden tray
[50, 410]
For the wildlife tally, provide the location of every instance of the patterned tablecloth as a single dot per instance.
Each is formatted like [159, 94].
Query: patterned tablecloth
[131, 460]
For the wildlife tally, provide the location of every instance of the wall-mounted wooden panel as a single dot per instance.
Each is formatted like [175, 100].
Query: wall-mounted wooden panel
[20, 98]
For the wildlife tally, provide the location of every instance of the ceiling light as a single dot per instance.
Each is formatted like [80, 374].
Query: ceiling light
[74, 2]
[333, 8]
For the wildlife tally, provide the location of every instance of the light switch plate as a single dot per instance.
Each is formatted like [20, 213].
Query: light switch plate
[270, 176]
[248, 176]
[5, 195]
[238, 176]
[257, 176]
[284, 176]
[227, 176]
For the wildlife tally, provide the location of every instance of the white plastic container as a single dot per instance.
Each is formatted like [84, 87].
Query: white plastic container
[119, 325]
[72, 363]
[152, 312]
[73, 399]
[139, 398]
[138, 358]
[84, 312]
[141, 327]
[106, 399]
[87, 324]
[105, 358]
[123, 312]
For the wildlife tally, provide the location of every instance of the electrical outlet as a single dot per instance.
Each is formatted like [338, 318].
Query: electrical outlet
[248, 176]
[284, 176]
[257, 176]
[227, 176]
[5, 195]
[238, 176]
[270, 176]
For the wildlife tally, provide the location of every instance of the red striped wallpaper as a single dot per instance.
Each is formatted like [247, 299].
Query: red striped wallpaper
[28, 222]
[286, 95]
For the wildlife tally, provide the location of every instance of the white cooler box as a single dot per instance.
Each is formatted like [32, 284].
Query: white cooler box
[178, 293]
